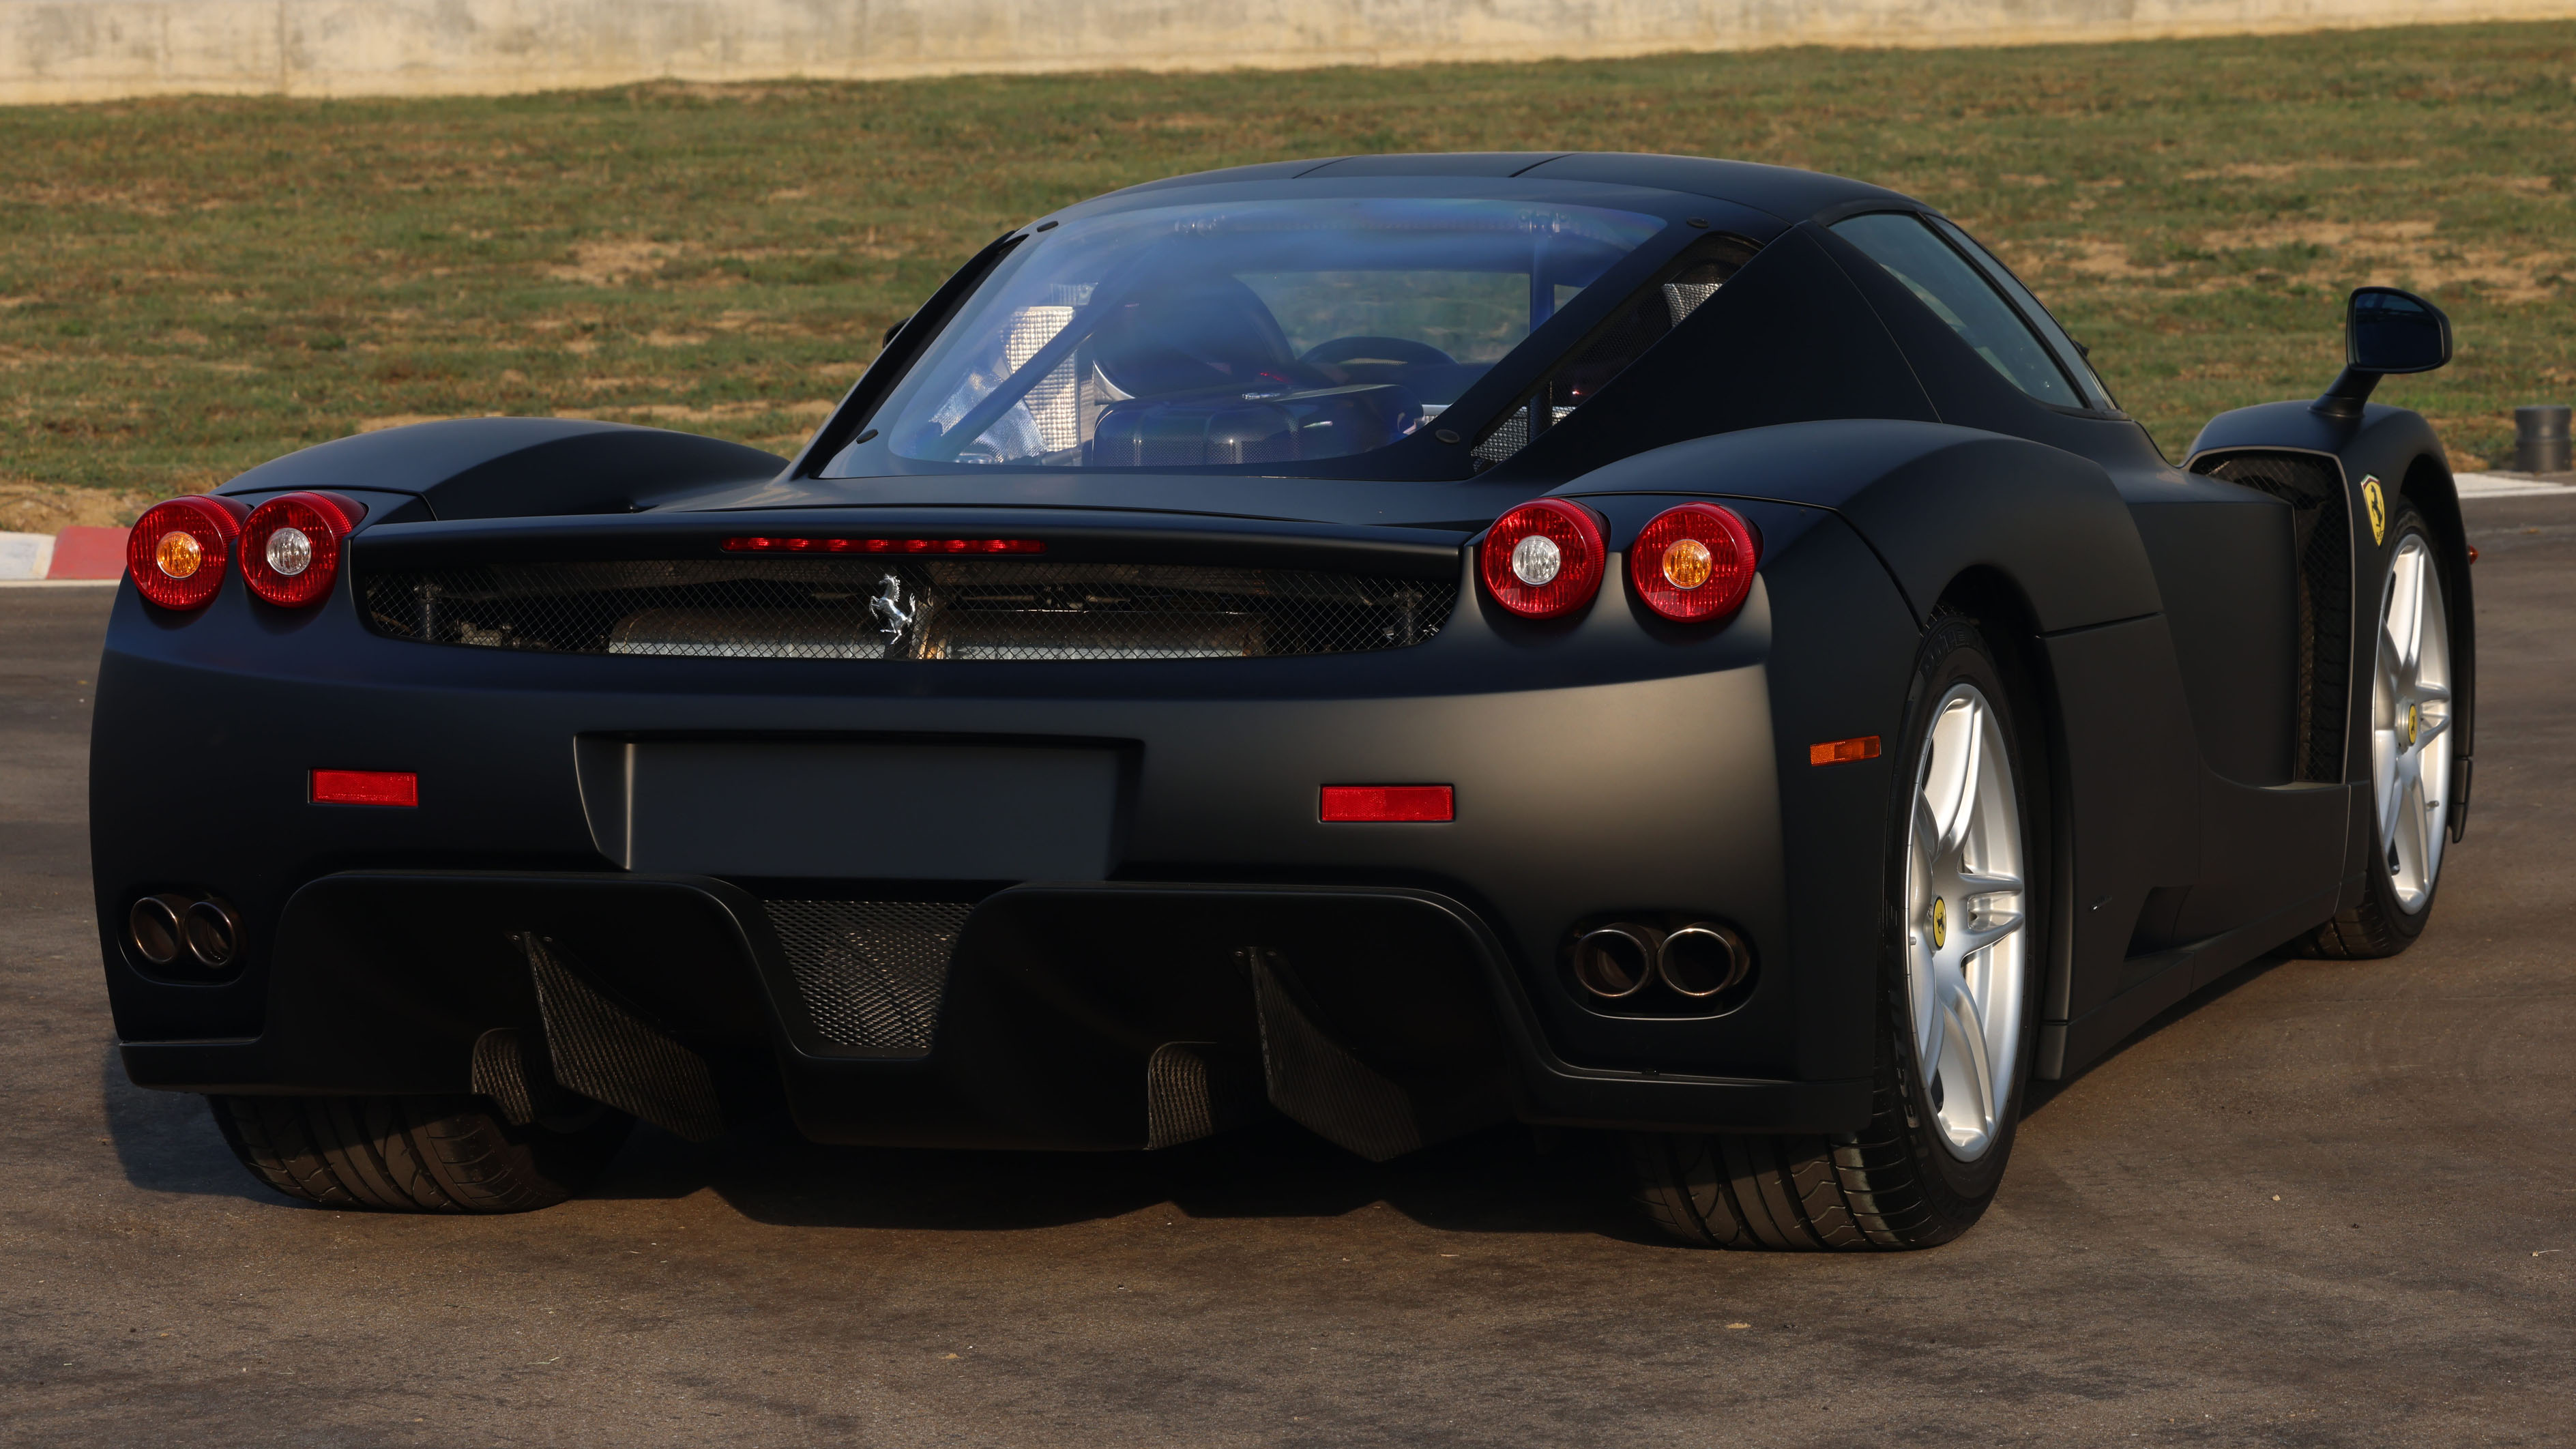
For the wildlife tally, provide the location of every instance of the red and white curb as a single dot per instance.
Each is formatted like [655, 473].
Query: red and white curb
[75, 556]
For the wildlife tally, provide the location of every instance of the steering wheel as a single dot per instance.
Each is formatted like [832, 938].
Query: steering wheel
[1377, 349]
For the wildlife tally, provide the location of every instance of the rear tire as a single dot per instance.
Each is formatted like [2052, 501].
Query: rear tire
[445, 1154]
[1924, 1169]
[2410, 764]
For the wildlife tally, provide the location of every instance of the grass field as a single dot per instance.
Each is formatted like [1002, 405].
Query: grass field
[188, 287]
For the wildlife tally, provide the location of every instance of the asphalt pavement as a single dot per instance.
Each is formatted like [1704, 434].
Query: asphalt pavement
[2319, 1204]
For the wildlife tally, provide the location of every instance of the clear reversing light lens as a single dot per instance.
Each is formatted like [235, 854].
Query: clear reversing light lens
[1694, 563]
[1536, 560]
[290, 551]
[1544, 558]
[177, 551]
[291, 546]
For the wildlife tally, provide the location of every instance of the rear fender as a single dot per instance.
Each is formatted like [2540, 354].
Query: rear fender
[1933, 502]
[2040, 543]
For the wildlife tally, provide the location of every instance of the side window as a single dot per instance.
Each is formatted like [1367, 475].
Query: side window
[1652, 312]
[2070, 356]
[1962, 297]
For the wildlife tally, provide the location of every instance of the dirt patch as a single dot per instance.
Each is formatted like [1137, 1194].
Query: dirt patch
[2100, 260]
[2248, 171]
[51, 507]
[395, 420]
[611, 263]
[2406, 253]
[2377, 236]
[2292, 170]
[680, 413]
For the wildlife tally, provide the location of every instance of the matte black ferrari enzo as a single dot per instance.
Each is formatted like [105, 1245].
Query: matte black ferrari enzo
[1406, 642]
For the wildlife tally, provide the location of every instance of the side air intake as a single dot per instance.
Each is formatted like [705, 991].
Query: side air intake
[2321, 532]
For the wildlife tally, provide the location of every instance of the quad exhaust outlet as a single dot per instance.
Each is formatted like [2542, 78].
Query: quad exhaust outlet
[171, 929]
[1617, 961]
[1698, 962]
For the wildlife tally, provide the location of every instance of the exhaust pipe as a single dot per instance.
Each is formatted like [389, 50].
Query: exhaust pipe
[1703, 959]
[157, 928]
[1618, 960]
[214, 934]
[170, 930]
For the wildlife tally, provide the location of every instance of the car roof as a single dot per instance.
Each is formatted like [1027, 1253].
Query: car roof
[1786, 192]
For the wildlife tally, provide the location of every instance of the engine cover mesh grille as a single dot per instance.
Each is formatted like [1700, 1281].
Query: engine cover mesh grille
[870, 972]
[1006, 609]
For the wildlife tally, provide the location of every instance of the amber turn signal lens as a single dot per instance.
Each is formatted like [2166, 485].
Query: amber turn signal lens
[1693, 563]
[177, 551]
[179, 555]
[1687, 564]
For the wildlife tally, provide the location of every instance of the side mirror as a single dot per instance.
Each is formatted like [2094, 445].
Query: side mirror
[2385, 331]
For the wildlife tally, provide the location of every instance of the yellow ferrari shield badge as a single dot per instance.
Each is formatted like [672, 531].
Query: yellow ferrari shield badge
[1940, 923]
[2373, 500]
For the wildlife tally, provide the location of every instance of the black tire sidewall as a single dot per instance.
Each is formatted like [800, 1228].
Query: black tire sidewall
[1955, 651]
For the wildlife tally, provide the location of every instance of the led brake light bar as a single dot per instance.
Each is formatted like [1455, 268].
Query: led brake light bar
[883, 545]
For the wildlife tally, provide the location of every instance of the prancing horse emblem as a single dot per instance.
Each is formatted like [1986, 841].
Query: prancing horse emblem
[887, 607]
[2377, 503]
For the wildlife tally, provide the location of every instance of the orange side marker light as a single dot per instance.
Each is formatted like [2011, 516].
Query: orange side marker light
[1834, 752]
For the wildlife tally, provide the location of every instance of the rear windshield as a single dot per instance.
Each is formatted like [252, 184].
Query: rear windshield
[1242, 332]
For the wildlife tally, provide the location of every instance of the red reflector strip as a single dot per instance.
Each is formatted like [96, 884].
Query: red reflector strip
[366, 787]
[884, 545]
[1834, 752]
[1347, 803]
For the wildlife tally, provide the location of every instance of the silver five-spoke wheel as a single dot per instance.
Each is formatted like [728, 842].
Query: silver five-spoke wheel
[1954, 1021]
[2410, 723]
[1964, 914]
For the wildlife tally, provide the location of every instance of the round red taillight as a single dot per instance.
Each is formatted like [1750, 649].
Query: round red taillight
[290, 547]
[1543, 559]
[1693, 563]
[177, 551]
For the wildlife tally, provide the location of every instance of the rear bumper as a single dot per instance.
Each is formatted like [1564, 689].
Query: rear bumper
[1603, 765]
[1056, 1001]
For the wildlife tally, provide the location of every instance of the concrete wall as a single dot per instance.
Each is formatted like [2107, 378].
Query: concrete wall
[69, 50]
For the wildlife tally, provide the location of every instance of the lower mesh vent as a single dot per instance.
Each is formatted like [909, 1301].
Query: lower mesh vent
[870, 972]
